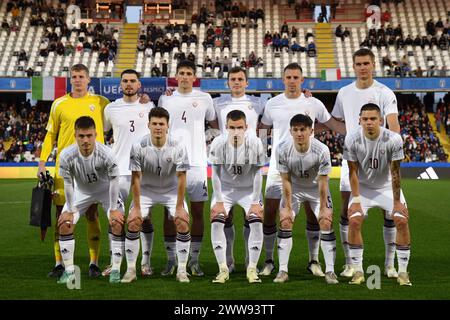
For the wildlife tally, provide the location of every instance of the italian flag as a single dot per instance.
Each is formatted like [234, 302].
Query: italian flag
[330, 74]
[48, 88]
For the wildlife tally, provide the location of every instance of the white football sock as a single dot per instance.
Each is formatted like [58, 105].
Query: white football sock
[218, 241]
[255, 241]
[132, 249]
[183, 243]
[313, 237]
[328, 245]
[147, 243]
[67, 248]
[403, 255]
[284, 248]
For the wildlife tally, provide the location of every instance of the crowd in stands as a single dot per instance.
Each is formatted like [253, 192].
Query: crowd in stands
[420, 142]
[22, 131]
[236, 13]
[153, 39]
[342, 33]
[335, 143]
[97, 38]
[443, 114]
[89, 38]
[438, 35]
[285, 40]
[389, 36]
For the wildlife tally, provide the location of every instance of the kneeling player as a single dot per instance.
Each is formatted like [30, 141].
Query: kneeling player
[158, 166]
[304, 164]
[374, 155]
[236, 159]
[93, 168]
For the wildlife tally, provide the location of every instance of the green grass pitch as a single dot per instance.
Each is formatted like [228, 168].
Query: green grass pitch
[25, 260]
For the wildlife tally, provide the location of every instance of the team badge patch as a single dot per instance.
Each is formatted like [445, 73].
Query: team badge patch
[169, 160]
[141, 114]
[250, 107]
[92, 107]
[195, 104]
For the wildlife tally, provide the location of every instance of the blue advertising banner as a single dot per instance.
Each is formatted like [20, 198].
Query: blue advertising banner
[154, 87]
[15, 84]
[316, 84]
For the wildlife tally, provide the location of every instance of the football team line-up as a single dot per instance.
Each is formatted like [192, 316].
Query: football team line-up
[159, 155]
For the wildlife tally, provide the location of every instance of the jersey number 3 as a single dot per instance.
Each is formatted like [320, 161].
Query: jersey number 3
[132, 128]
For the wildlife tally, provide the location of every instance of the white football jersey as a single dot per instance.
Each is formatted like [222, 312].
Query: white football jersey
[304, 168]
[373, 156]
[279, 112]
[252, 106]
[350, 99]
[188, 113]
[158, 165]
[91, 174]
[238, 166]
[129, 122]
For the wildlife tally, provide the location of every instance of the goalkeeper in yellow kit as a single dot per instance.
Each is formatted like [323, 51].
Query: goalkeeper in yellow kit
[63, 114]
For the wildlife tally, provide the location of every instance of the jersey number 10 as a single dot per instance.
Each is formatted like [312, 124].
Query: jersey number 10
[373, 163]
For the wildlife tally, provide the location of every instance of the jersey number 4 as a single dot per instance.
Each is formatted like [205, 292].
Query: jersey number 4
[183, 116]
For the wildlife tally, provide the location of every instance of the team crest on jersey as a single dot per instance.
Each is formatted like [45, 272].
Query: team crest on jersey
[382, 151]
[92, 107]
[141, 114]
[195, 104]
[169, 160]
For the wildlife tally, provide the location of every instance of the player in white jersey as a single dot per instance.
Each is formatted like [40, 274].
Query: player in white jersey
[236, 158]
[347, 107]
[277, 114]
[91, 175]
[374, 155]
[304, 164]
[158, 164]
[128, 118]
[253, 108]
[189, 109]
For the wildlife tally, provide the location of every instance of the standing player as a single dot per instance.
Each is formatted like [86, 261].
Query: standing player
[158, 164]
[60, 128]
[189, 109]
[304, 164]
[374, 155]
[236, 159]
[129, 120]
[91, 175]
[277, 113]
[252, 107]
[347, 107]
